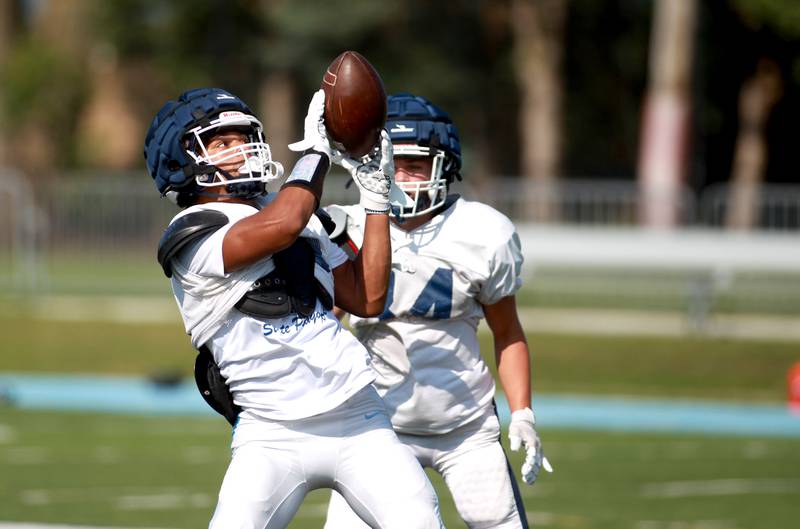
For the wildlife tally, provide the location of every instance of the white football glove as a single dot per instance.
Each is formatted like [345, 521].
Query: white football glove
[315, 135]
[522, 433]
[374, 177]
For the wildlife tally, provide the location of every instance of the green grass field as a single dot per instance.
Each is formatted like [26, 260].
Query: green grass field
[165, 472]
[650, 366]
[135, 471]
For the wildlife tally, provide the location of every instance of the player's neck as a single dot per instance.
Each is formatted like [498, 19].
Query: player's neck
[412, 223]
[217, 194]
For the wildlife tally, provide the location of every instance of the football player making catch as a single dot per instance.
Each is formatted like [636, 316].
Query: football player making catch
[453, 262]
[255, 277]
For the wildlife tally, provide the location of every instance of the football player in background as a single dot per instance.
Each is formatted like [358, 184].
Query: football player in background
[453, 262]
[255, 277]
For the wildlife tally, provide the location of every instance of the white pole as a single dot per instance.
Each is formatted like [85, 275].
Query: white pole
[666, 112]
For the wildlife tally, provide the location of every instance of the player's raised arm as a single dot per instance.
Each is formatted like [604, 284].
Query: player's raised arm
[280, 222]
[362, 284]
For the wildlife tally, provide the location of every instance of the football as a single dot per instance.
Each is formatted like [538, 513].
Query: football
[355, 104]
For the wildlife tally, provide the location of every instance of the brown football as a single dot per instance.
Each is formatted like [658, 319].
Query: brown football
[355, 103]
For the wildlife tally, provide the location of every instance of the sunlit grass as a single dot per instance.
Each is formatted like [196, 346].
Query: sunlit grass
[136, 471]
[699, 367]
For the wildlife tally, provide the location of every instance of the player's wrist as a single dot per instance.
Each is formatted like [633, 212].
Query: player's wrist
[372, 205]
[525, 414]
[309, 172]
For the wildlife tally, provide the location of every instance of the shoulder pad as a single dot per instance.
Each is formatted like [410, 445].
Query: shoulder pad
[185, 230]
[450, 200]
[327, 222]
[338, 217]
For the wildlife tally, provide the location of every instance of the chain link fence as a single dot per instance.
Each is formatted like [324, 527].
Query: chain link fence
[96, 234]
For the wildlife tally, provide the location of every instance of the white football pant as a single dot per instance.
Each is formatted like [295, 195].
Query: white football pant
[351, 449]
[474, 466]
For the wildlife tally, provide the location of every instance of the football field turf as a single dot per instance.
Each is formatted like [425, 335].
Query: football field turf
[133, 471]
[685, 367]
[138, 471]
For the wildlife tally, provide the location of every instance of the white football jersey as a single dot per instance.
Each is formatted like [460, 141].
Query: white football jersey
[286, 368]
[424, 346]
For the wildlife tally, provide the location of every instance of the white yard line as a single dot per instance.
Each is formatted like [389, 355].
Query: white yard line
[685, 524]
[720, 487]
[115, 309]
[655, 323]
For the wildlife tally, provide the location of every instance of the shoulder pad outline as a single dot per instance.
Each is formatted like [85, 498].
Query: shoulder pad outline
[327, 222]
[338, 216]
[185, 230]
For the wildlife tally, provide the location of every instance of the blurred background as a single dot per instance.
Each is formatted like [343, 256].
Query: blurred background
[644, 149]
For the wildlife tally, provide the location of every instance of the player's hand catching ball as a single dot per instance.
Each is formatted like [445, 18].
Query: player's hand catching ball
[374, 177]
[314, 134]
[310, 170]
[522, 433]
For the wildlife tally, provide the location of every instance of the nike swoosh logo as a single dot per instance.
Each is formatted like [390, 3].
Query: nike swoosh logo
[370, 415]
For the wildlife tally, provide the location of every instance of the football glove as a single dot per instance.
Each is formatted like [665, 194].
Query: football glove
[374, 177]
[315, 135]
[522, 433]
[312, 167]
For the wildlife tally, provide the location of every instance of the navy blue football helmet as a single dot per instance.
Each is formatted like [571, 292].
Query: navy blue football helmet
[176, 154]
[418, 128]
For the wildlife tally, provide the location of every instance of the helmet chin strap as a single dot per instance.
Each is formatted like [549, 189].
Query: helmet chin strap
[241, 190]
[246, 190]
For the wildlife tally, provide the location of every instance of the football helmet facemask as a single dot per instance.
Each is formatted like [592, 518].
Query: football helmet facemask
[427, 194]
[177, 157]
[257, 167]
[418, 128]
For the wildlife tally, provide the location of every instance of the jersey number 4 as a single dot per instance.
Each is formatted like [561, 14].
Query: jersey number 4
[437, 295]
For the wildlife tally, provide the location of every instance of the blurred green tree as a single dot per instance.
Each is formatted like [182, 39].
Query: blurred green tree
[299, 40]
[782, 15]
[43, 91]
[112, 64]
[146, 51]
[9, 24]
[130, 55]
[447, 52]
